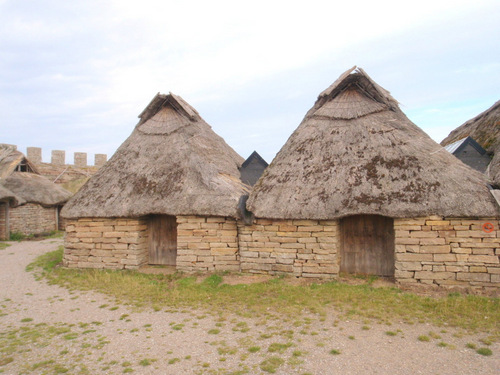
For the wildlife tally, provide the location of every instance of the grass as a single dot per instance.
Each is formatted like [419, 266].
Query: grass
[470, 312]
[4, 245]
[484, 351]
[271, 364]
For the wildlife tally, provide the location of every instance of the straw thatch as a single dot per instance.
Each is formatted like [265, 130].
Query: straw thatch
[34, 188]
[21, 183]
[11, 159]
[355, 152]
[485, 130]
[7, 195]
[172, 163]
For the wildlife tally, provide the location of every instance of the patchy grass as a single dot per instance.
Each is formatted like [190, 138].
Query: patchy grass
[271, 364]
[484, 351]
[4, 245]
[472, 313]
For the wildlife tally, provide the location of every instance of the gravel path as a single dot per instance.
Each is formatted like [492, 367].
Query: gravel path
[45, 329]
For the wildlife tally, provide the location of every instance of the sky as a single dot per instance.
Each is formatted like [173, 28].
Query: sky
[74, 75]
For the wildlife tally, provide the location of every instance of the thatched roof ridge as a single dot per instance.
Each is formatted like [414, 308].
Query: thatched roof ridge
[356, 152]
[33, 188]
[173, 163]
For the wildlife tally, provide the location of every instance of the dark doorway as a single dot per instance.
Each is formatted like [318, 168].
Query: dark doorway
[162, 240]
[367, 245]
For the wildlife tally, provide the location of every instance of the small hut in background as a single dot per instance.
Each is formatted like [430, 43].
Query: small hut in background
[359, 188]
[252, 169]
[485, 129]
[29, 203]
[468, 151]
[168, 196]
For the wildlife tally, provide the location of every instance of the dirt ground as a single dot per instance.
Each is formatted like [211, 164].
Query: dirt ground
[46, 329]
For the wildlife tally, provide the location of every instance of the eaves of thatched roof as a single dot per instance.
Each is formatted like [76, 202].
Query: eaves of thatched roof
[34, 188]
[356, 152]
[173, 163]
[8, 196]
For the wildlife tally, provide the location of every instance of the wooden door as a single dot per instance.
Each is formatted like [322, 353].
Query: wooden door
[367, 245]
[162, 240]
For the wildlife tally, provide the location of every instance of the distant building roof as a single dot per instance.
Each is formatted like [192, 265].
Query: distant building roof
[461, 143]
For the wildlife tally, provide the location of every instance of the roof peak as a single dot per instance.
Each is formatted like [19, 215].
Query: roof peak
[356, 79]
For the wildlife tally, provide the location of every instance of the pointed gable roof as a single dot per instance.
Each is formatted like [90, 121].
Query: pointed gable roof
[356, 152]
[173, 163]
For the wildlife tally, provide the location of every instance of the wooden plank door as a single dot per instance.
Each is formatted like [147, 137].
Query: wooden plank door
[162, 240]
[367, 245]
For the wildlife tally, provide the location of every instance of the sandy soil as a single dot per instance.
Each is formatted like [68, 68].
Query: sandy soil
[81, 332]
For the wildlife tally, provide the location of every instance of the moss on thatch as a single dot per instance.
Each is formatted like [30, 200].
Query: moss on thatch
[173, 163]
[355, 152]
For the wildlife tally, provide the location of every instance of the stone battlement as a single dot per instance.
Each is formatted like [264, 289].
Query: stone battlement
[58, 157]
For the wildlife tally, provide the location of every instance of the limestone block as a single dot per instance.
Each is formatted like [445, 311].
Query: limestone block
[483, 259]
[409, 266]
[435, 249]
[432, 241]
[444, 258]
[423, 234]
[472, 276]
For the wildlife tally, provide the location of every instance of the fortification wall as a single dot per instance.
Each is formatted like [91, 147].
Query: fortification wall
[60, 172]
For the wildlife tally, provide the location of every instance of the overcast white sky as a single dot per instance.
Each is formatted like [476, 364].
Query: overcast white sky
[74, 75]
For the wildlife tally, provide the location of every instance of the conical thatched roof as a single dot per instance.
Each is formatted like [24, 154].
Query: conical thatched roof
[485, 130]
[173, 163]
[21, 183]
[355, 152]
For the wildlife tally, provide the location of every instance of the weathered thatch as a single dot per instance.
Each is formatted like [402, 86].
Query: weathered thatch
[485, 129]
[21, 182]
[7, 195]
[34, 188]
[355, 152]
[172, 163]
[11, 160]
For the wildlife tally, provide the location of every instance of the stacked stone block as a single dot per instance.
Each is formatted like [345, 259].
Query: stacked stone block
[207, 244]
[32, 218]
[449, 252]
[106, 243]
[304, 248]
[3, 221]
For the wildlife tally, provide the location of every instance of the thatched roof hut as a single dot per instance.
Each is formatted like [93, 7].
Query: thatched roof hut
[21, 183]
[356, 152]
[33, 188]
[173, 163]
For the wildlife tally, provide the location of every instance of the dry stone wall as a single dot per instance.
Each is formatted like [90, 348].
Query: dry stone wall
[3, 220]
[207, 244]
[32, 218]
[106, 243]
[449, 252]
[305, 248]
